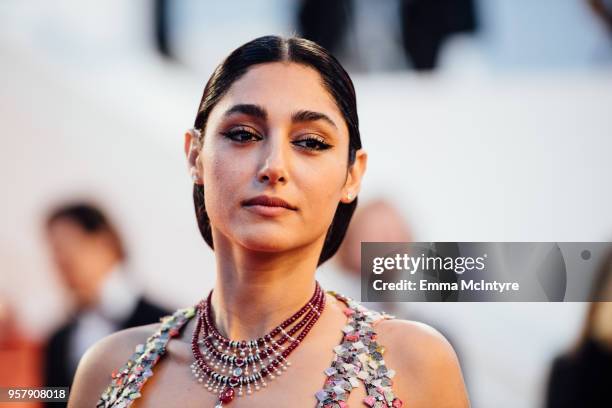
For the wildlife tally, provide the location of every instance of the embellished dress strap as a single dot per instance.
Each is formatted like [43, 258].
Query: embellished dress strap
[127, 382]
[359, 358]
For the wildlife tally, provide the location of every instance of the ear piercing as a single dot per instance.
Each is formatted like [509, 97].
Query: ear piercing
[349, 196]
[195, 133]
[194, 175]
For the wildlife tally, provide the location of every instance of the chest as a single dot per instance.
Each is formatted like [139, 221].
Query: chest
[173, 383]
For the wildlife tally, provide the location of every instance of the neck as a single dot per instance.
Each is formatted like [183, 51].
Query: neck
[256, 291]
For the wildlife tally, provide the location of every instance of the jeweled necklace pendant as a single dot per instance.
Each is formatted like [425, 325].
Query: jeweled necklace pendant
[226, 396]
[228, 367]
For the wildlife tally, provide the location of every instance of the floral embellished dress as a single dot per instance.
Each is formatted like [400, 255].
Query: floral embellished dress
[358, 359]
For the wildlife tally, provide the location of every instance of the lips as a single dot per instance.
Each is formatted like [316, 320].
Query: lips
[267, 201]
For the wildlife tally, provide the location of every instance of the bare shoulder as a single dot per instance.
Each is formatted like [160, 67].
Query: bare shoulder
[420, 342]
[427, 367]
[112, 352]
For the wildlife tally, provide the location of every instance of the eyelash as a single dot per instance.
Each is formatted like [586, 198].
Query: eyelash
[235, 135]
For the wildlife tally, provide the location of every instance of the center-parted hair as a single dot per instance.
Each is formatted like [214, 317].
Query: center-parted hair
[335, 80]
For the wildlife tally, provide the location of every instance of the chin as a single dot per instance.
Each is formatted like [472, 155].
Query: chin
[264, 243]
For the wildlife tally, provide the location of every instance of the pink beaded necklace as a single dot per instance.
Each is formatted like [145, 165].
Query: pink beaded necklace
[228, 365]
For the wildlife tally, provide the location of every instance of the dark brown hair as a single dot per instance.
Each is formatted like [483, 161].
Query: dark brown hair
[90, 219]
[335, 79]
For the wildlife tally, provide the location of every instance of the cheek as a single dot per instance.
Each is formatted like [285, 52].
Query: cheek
[224, 181]
[322, 189]
[69, 255]
[84, 257]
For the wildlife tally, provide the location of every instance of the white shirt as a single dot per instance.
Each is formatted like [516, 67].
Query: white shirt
[118, 300]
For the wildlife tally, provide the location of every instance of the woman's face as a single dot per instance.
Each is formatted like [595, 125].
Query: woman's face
[276, 134]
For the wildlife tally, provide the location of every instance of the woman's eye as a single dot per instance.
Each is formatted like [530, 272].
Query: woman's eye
[241, 136]
[312, 143]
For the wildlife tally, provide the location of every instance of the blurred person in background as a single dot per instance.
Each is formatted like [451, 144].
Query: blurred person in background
[19, 356]
[603, 10]
[369, 35]
[376, 221]
[583, 376]
[91, 260]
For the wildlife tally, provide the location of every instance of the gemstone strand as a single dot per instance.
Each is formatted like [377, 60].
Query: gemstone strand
[227, 367]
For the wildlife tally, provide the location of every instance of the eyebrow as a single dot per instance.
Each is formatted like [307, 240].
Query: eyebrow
[247, 109]
[260, 113]
[310, 116]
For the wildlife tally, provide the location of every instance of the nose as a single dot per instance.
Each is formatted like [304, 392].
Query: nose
[274, 163]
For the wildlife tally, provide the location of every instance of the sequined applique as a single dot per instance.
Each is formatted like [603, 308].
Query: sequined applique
[357, 359]
[127, 382]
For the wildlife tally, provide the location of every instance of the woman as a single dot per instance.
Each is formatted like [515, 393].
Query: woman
[277, 163]
[582, 376]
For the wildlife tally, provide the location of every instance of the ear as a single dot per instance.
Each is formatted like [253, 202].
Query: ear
[193, 146]
[355, 174]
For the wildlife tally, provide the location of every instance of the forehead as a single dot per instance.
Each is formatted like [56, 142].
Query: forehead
[282, 88]
[65, 229]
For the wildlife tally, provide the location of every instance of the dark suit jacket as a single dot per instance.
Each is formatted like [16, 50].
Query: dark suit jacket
[583, 379]
[58, 372]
